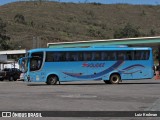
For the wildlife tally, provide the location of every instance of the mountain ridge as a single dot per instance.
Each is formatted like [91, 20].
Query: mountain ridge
[63, 22]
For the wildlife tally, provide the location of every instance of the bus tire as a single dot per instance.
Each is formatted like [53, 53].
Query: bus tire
[115, 79]
[52, 80]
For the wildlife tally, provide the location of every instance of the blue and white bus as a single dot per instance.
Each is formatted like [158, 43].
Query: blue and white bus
[110, 64]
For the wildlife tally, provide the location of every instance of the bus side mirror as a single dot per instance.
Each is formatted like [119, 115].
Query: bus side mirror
[20, 61]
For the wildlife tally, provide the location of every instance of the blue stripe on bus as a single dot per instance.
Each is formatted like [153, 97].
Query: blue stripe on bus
[113, 67]
[133, 66]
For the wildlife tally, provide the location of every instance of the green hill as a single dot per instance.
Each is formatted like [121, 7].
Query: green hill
[59, 22]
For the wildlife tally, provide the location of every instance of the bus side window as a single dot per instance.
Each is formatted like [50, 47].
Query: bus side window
[73, 56]
[112, 56]
[129, 55]
[96, 56]
[64, 58]
[121, 55]
[147, 54]
[93, 56]
[56, 56]
[109, 56]
[68, 56]
[49, 57]
[137, 55]
[87, 56]
[103, 55]
[142, 55]
[80, 56]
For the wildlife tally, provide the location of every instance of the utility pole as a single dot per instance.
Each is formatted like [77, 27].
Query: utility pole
[36, 42]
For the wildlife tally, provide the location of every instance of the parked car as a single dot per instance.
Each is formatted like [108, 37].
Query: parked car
[2, 75]
[12, 74]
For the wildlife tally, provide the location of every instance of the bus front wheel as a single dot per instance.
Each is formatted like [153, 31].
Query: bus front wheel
[52, 80]
[115, 78]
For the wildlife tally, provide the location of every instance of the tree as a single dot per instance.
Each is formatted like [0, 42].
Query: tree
[152, 32]
[127, 32]
[3, 37]
[19, 18]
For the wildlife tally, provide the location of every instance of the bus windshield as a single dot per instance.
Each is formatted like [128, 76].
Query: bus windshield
[36, 61]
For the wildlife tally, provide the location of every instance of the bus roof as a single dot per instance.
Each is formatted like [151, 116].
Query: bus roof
[90, 49]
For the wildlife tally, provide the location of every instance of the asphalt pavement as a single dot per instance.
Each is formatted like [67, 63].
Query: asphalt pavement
[135, 95]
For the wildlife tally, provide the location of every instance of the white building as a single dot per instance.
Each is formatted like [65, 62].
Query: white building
[9, 58]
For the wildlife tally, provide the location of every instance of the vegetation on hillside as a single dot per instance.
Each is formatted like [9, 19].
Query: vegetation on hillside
[4, 45]
[127, 32]
[29, 23]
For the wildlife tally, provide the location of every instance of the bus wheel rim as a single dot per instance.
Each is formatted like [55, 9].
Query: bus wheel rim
[115, 79]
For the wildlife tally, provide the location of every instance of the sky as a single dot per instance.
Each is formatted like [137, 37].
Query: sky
[139, 2]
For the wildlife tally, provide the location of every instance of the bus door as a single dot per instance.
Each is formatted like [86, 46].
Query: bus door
[36, 72]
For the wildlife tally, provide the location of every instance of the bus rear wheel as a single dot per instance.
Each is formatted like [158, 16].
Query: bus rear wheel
[115, 78]
[52, 80]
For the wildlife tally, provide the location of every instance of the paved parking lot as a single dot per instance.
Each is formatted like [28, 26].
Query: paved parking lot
[143, 95]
